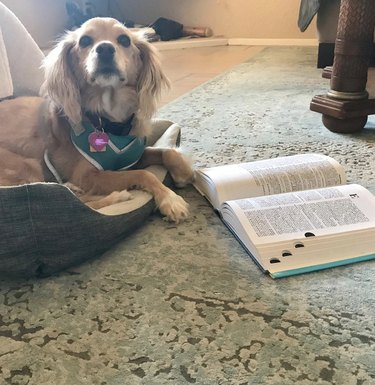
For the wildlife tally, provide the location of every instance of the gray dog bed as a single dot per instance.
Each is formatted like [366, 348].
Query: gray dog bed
[45, 228]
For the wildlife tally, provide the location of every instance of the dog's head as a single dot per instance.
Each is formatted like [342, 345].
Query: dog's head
[102, 54]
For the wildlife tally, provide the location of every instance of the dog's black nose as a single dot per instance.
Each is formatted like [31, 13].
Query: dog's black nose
[106, 51]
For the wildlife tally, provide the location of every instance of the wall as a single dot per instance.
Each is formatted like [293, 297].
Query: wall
[261, 19]
[44, 19]
[255, 19]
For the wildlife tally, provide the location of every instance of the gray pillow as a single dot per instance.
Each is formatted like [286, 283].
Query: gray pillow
[45, 228]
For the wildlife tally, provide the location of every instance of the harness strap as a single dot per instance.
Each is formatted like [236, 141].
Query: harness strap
[51, 168]
[121, 153]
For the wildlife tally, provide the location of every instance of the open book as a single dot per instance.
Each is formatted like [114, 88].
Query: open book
[293, 214]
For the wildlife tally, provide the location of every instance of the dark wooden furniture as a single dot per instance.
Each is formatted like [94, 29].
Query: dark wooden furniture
[346, 105]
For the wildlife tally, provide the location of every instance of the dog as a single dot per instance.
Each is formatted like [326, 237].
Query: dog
[104, 78]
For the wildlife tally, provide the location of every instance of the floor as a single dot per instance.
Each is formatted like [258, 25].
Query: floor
[184, 304]
[189, 67]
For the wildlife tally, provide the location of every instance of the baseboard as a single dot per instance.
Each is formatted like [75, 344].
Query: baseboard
[220, 41]
[191, 43]
[275, 42]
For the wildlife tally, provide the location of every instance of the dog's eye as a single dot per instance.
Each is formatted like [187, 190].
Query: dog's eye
[124, 40]
[85, 41]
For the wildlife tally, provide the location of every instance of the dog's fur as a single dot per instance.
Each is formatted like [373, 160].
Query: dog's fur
[104, 69]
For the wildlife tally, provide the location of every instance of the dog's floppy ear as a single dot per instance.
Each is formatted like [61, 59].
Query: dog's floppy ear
[60, 84]
[151, 79]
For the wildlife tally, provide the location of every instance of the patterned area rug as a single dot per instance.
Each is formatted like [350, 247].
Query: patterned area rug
[185, 304]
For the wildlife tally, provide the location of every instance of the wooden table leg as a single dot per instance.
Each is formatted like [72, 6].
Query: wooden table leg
[346, 105]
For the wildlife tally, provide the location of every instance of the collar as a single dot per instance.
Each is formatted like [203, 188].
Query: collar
[115, 128]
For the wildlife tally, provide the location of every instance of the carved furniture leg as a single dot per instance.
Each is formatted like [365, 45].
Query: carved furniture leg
[346, 105]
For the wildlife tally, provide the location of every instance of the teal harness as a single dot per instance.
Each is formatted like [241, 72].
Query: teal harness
[121, 151]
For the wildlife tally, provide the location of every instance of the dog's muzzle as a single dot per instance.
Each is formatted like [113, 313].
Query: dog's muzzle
[106, 64]
[106, 52]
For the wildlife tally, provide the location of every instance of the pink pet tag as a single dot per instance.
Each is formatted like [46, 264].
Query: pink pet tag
[98, 141]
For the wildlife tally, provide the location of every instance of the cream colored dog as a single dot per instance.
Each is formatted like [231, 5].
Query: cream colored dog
[99, 72]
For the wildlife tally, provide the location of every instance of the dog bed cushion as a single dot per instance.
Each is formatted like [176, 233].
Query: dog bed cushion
[45, 228]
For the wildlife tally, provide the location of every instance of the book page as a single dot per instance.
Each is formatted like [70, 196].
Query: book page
[269, 219]
[268, 177]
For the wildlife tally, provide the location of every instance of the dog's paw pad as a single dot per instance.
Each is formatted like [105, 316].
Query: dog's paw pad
[187, 179]
[174, 207]
[120, 196]
[183, 177]
[179, 167]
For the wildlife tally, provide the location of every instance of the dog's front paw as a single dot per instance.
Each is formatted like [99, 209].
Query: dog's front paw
[179, 167]
[173, 207]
